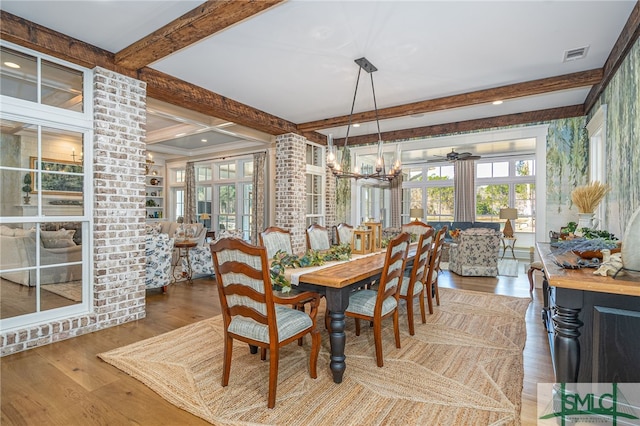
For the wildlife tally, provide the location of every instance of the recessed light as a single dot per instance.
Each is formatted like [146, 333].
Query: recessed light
[180, 134]
[203, 140]
[356, 125]
[12, 65]
[497, 102]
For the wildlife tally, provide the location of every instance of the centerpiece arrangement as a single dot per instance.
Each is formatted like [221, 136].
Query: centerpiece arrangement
[282, 260]
[586, 198]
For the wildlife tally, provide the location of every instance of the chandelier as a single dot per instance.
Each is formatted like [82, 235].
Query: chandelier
[379, 171]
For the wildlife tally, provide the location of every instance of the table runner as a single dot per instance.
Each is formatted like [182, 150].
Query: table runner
[293, 274]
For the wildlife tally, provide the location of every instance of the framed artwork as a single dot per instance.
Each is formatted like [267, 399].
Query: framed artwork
[64, 181]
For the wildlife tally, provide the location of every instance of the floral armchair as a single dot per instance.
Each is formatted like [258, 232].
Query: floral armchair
[158, 251]
[476, 254]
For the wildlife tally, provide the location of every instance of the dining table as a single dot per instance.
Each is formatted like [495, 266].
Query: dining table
[336, 281]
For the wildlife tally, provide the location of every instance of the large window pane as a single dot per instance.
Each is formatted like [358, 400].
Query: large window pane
[489, 200]
[439, 204]
[525, 204]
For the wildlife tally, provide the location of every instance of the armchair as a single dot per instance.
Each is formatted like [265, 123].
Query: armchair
[476, 254]
[158, 251]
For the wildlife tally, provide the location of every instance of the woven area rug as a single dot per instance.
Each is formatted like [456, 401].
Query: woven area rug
[71, 290]
[508, 267]
[463, 367]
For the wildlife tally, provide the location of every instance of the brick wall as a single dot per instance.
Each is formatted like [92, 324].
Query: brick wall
[119, 216]
[290, 186]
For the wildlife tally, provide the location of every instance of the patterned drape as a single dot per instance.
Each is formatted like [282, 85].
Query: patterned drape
[464, 185]
[190, 194]
[396, 202]
[257, 219]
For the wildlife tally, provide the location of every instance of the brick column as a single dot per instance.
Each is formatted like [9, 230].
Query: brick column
[119, 209]
[290, 187]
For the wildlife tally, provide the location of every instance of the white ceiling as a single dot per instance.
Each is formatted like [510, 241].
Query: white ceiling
[295, 60]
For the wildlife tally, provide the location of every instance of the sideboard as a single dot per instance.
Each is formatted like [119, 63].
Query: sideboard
[593, 323]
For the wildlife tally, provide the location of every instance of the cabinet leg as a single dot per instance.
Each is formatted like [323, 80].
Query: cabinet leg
[566, 348]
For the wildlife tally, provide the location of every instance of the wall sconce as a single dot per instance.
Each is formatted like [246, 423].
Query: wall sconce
[79, 157]
[148, 165]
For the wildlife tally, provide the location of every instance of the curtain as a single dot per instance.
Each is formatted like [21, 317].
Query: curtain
[396, 202]
[464, 186]
[190, 194]
[257, 215]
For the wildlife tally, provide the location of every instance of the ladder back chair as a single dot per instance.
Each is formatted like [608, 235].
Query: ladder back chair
[253, 314]
[413, 286]
[376, 305]
[431, 280]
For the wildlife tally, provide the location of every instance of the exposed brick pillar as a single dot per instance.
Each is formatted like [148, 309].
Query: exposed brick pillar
[290, 188]
[330, 199]
[119, 209]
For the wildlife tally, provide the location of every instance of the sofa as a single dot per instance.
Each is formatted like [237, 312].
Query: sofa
[476, 253]
[18, 249]
[462, 226]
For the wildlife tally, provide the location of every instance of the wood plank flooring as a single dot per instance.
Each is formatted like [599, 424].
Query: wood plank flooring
[66, 384]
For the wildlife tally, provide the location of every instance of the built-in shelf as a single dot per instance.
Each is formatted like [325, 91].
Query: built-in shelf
[154, 192]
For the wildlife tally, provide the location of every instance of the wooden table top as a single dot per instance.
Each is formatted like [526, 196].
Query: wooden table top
[584, 279]
[347, 273]
[185, 244]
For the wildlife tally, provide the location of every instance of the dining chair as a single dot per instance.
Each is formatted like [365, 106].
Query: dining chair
[376, 305]
[276, 239]
[345, 233]
[253, 314]
[413, 286]
[416, 227]
[431, 280]
[318, 238]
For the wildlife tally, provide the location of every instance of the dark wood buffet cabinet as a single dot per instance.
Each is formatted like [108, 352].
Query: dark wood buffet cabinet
[593, 323]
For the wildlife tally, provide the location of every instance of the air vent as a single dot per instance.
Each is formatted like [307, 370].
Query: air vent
[574, 54]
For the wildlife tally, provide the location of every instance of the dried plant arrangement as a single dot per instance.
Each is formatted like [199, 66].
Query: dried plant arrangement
[587, 197]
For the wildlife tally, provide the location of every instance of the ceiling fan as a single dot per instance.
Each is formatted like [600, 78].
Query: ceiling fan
[459, 156]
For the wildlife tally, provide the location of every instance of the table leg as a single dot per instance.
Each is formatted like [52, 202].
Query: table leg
[189, 270]
[337, 302]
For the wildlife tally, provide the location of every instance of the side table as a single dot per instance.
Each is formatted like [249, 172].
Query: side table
[507, 244]
[183, 252]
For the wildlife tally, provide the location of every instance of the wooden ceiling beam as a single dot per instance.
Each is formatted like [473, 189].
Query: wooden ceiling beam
[625, 42]
[169, 89]
[201, 22]
[469, 125]
[511, 91]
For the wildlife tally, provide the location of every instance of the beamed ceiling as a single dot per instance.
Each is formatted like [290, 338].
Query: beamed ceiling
[233, 74]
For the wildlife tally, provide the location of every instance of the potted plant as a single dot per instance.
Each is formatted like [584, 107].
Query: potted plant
[27, 188]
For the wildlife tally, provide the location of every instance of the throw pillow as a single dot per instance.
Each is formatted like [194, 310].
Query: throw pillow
[50, 239]
[153, 228]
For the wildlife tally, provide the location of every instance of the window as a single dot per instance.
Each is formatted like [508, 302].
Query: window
[503, 183]
[433, 194]
[315, 186]
[46, 199]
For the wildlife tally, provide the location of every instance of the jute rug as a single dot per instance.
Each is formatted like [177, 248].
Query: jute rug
[71, 290]
[464, 367]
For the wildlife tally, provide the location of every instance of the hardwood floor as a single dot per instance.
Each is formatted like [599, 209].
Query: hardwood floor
[66, 384]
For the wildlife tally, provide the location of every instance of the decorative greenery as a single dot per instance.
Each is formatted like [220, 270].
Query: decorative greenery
[27, 184]
[282, 260]
[584, 244]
